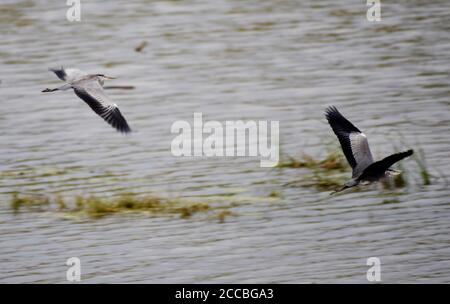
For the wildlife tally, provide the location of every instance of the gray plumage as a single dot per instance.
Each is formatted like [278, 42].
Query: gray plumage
[89, 87]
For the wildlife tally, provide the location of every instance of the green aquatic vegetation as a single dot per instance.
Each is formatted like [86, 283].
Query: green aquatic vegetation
[323, 181]
[419, 157]
[50, 173]
[332, 161]
[291, 162]
[222, 215]
[60, 202]
[187, 211]
[390, 201]
[275, 194]
[34, 202]
[97, 207]
[400, 180]
[324, 171]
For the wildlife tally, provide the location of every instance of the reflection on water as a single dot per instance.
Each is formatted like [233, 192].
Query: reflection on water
[230, 60]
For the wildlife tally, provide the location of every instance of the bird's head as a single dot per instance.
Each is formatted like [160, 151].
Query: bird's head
[103, 76]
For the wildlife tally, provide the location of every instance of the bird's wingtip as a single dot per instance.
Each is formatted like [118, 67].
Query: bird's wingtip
[126, 130]
[331, 109]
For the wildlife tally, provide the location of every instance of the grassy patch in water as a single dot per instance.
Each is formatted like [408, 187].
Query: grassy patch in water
[333, 161]
[96, 207]
[326, 172]
[419, 157]
[323, 181]
[390, 201]
[275, 194]
[326, 181]
[34, 202]
[222, 215]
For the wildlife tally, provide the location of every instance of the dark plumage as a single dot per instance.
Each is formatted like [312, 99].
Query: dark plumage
[377, 169]
[356, 149]
[342, 128]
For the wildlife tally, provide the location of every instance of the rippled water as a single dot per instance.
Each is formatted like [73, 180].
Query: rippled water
[230, 60]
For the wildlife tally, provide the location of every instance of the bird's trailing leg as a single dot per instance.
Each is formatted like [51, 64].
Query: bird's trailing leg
[50, 90]
[340, 189]
[61, 88]
[348, 184]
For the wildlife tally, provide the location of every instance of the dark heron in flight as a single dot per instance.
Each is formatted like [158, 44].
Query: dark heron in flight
[89, 87]
[356, 149]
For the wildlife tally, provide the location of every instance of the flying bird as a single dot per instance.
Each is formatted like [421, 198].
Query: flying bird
[89, 87]
[356, 149]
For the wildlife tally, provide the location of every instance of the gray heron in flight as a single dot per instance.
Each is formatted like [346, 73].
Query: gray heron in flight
[356, 149]
[89, 87]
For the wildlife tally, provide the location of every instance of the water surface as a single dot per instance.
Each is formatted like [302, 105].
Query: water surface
[230, 60]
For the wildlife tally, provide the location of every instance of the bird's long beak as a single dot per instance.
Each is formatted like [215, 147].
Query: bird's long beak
[109, 77]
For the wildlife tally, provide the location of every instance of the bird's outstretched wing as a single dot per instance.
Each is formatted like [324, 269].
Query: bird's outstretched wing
[68, 75]
[353, 142]
[92, 93]
[378, 168]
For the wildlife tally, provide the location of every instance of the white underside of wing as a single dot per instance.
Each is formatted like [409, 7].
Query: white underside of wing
[101, 97]
[95, 90]
[91, 91]
[361, 152]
